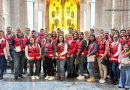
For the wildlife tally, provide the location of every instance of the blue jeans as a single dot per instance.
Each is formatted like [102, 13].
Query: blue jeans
[81, 66]
[60, 67]
[125, 77]
[2, 64]
[12, 62]
[115, 69]
[91, 69]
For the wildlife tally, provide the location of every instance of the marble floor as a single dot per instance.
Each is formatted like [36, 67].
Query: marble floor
[8, 83]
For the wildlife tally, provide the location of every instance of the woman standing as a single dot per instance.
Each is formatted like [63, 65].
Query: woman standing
[81, 52]
[3, 44]
[61, 50]
[54, 38]
[115, 49]
[70, 53]
[49, 51]
[103, 48]
[92, 49]
[33, 53]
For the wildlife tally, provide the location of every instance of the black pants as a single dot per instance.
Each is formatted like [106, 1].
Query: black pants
[49, 66]
[44, 68]
[37, 64]
[40, 67]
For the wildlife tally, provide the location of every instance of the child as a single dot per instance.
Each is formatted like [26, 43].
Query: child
[125, 69]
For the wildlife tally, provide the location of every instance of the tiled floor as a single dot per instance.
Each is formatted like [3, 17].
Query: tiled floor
[8, 83]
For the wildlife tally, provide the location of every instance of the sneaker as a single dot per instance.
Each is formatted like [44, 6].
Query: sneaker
[47, 77]
[102, 81]
[33, 77]
[36, 77]
[81, 78]
[16, 78]
[51, 78]
[78, 76]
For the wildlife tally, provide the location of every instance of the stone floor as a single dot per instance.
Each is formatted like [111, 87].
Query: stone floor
[8, 83]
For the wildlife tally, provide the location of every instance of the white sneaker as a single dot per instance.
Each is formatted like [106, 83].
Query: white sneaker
[51, 78]
[36, 77]
[47, 77]
[33, 77]
[81, 78]
[102, 81]
[78, 76]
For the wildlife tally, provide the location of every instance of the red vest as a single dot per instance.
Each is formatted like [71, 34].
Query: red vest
[33, 52]
[20, 42]
[91, 48]
[8, 39]
[79, 46]
[71, 47]
[101, 48]
[2, 46]
[40, 37]
[50, 49]
[54, 39]
[113, 50]
[110, 41]
[59, 50]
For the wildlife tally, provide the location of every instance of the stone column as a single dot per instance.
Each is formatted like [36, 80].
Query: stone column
[18, 13]
[1, 13]
[117, 15]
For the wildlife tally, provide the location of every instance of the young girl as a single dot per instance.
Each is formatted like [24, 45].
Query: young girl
[124, 69]
[61, 50]
[33, 53]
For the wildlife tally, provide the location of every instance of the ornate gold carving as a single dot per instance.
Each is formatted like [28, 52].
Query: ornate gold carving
[53, 14]
[69, 22]
[72, 14]
[56, 22]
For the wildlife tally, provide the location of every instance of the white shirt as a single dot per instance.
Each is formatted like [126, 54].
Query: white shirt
[119, 48]
[1, 40]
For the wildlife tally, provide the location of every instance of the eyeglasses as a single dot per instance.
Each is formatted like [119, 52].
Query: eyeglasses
[115, 37]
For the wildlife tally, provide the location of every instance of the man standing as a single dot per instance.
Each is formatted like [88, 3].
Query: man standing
[8, 37]
[58, 31]
[27, 32]
[18, 44]
[106, 35]
[92, 31]
[41, 34]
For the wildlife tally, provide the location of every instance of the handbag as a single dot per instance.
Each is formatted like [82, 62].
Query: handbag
[105, 61]
[91, 58]
[125, 62]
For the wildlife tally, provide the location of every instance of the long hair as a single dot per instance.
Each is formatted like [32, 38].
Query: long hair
[58, 39]
[29, 40]
[92, 41]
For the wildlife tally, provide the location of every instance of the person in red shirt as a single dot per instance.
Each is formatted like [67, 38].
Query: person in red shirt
[54, 36]
[8, 37]
[115, 49]
[106, 33]
[70, 54]
[103, 48]
[41, 34]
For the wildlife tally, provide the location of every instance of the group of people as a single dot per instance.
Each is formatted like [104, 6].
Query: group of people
[59, 53]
